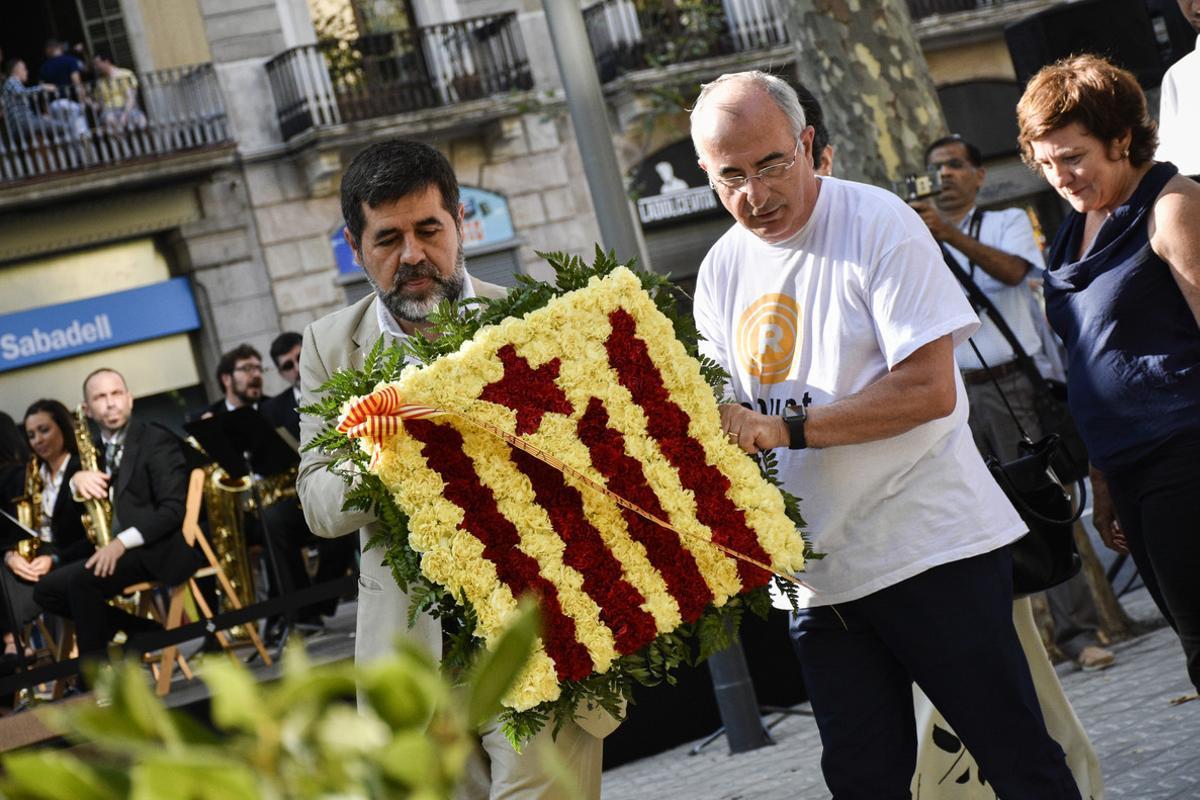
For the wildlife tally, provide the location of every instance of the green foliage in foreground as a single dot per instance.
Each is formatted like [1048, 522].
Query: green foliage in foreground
[300, 737]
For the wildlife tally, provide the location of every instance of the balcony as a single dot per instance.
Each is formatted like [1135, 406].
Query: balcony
[111, 123]
[332, 83]
[631, 35]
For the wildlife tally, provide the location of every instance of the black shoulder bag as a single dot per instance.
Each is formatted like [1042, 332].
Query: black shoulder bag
[1046, 556]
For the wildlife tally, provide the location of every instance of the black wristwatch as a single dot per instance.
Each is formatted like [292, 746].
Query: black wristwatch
[794, 416]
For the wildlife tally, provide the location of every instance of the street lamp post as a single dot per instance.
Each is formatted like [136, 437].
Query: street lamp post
[586, 101]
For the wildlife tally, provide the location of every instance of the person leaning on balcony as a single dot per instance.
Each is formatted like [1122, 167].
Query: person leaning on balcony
[117, 95]
[15, 97]
[834, 291]
[400, 200]
[65, 71]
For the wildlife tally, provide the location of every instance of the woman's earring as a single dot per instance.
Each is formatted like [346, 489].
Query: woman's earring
[1125, 153]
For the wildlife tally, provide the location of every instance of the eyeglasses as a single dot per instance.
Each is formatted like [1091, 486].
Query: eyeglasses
[287, 366]
[249, 369]
[766, 173]
[951, 163]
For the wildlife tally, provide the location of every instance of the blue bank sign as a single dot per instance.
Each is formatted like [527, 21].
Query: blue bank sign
[70, 329]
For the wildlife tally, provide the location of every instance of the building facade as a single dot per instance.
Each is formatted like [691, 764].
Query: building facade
[197, 195]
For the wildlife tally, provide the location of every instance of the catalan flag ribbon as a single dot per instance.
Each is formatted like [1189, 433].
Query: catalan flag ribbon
[576, 454]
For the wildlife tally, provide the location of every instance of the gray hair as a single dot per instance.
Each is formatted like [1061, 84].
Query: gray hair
[779, 90]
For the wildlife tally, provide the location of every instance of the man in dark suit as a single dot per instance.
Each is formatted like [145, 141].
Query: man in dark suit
[282, 409]
[240, 373]
[145, 477]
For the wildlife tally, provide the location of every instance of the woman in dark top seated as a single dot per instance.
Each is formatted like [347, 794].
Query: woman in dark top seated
[1123, 291]
[56, 517]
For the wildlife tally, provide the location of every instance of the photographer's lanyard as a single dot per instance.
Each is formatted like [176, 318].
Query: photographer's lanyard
[973, 232]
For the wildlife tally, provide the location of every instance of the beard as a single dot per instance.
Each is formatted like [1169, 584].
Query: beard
[410, 308]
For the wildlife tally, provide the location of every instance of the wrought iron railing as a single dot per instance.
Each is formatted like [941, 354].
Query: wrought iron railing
[397, 71]
[109, 122]
[637, 34]
[920, 9]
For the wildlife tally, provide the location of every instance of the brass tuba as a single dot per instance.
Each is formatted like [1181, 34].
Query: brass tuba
[97, 519]
[29, 510]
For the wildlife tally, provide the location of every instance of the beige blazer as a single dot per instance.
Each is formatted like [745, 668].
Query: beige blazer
[339, 341]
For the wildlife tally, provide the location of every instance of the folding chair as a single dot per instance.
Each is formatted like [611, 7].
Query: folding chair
[179, 594]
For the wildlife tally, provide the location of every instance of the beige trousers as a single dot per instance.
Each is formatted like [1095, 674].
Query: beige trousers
[942, 761]
[539, 772]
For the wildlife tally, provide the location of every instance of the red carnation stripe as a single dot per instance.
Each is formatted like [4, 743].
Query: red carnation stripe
[667, 424]
[442, 448]
[624, 475]
[585, 551]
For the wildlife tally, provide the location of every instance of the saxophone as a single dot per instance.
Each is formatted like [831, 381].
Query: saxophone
[226, 501]
[29, 510]
[97, 519]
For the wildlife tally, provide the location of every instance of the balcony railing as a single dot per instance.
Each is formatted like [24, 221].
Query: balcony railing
[920, 9]
[110, 122]
[398, 71]
[637, 34]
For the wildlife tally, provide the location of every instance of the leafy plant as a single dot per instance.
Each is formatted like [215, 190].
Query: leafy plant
[455, 324]
[301, 737]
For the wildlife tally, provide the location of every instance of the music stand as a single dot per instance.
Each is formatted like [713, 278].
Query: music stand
[244, 444]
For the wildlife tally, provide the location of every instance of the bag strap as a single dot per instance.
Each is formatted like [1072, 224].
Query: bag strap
[973, 232]
[981, 302]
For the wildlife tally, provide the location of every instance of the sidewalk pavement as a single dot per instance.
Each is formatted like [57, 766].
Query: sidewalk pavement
[1149, 749]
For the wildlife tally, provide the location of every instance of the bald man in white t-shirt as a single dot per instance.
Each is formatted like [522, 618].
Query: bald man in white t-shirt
[834, 291]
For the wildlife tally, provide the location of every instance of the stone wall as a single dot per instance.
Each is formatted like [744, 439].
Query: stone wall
[532, 159]
[293, 229]
[221, 253]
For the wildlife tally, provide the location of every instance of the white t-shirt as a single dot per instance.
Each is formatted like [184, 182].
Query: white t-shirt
[1178, 117]
[1009, 230]
[857, 290]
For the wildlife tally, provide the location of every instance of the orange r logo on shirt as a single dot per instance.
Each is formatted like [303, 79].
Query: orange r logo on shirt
[767, 335]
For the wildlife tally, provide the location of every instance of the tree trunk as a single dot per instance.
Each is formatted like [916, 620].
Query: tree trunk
[862, 60]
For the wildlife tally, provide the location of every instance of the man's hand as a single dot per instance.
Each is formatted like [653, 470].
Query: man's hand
[1104, 515]
[933, 219]
[104, 561]
[90, 485]
[27, 570]
[751, 430]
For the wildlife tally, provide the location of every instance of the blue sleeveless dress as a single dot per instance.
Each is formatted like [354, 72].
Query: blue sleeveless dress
[1133, 344]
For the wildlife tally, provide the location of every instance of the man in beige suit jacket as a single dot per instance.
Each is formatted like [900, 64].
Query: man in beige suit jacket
[404, 223]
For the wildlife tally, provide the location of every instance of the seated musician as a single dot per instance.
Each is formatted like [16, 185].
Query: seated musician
[140, 468]
[47, 508]
[240, 373]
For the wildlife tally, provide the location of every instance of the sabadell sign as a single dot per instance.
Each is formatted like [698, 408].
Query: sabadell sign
[54, 332]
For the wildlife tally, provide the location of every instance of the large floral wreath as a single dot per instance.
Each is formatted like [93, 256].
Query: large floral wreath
[564, 442]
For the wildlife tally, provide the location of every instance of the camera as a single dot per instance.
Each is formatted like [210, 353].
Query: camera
[918, 186]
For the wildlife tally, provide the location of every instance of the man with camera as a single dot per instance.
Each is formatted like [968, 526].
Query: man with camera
[998, 251]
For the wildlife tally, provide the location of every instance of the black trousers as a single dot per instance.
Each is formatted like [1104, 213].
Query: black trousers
[1155, 501]
[74, 592]
[950, 630]
[289, 533]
